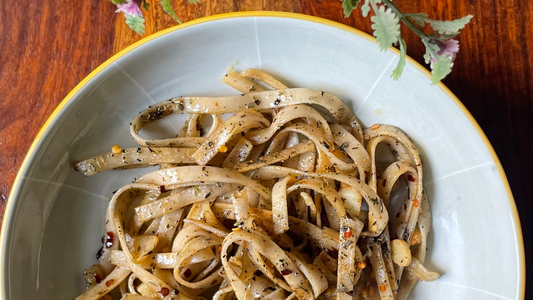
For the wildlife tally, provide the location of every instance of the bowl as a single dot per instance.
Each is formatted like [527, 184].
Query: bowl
[54, 219]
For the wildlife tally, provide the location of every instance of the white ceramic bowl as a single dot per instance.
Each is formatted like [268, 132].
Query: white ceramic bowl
[54, 219]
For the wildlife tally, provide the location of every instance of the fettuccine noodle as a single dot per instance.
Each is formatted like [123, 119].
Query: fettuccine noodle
[288, 198]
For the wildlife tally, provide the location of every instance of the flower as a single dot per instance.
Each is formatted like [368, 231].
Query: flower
[131, 7]
[449, 48]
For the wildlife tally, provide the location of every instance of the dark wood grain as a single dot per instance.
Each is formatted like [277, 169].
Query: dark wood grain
[48, 46]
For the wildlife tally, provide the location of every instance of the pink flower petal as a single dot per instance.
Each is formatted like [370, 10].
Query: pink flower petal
[130, 8]
[449, 47]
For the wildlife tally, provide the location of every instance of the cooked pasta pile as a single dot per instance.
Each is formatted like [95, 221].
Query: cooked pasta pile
[286, 199]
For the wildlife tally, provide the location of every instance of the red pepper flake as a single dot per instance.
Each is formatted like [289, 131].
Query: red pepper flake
[286, 272]
[98, 278]
[374, 127]
[219, 248]
[188, 273]
[416, 203]
[222, 149]
[382, 287]
[110, 238]
[348, 233]
[164, 291]
[162, 189]
[333, 254]
[410, 178]
[350, 293]
[109, 282]
[360, 265]
[214, 282]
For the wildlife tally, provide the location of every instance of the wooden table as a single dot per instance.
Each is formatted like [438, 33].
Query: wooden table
[48, 46]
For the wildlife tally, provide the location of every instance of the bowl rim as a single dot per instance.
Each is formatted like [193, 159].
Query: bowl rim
[17, 184]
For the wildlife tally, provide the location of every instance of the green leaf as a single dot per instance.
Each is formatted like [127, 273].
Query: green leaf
[386, 26]
[194, 1]
[349, 6]
[427, 57]
[447, 36]
[430, 48]
[420, 18]
[135, 23]
[116, 2]
[441, 68]
[450, 27]
[396, 73]
[167, 7]
[145, 5]
[365, 9]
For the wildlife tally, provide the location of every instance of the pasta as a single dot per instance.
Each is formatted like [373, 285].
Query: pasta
[288, 198]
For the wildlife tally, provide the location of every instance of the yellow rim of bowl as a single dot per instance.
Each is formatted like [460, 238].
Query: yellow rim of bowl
[54, 115]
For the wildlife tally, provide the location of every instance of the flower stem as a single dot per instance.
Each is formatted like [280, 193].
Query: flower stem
[425, 39]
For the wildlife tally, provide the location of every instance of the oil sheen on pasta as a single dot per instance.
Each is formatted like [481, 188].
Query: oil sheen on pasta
[288, 198]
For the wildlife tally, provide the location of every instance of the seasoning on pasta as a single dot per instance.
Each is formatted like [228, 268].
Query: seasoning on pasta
[288, 198]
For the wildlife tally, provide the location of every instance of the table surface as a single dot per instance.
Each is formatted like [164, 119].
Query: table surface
[49, 46]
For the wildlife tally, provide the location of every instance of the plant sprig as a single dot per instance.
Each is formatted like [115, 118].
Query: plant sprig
[133, 14]
[167, 7]
[441, 48]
